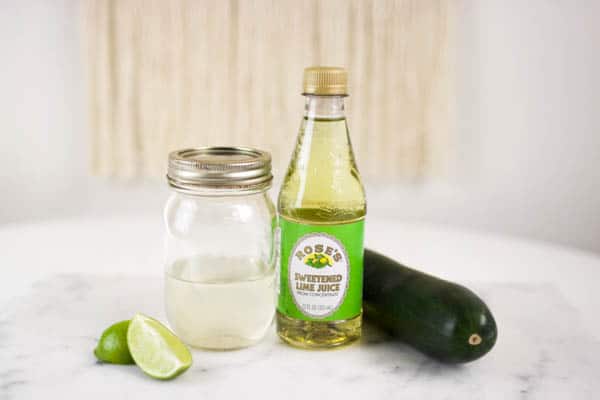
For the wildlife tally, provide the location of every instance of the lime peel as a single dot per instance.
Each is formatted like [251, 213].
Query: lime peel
[112, 346]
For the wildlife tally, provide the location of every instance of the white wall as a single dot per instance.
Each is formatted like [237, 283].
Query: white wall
[42, 143]
[527, 153]
[528, 148]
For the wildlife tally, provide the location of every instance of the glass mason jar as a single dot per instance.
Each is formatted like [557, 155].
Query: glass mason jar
[220, 255]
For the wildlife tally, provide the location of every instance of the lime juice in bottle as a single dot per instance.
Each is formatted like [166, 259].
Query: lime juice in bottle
[322, 209]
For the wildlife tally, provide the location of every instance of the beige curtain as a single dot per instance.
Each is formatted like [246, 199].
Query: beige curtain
[164, 75]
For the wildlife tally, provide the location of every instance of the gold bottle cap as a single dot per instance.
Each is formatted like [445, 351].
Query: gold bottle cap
[325, 81]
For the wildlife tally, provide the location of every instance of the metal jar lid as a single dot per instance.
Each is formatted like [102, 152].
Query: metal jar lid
[219, 170]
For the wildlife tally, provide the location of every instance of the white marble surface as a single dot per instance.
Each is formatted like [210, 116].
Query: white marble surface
[65, 281]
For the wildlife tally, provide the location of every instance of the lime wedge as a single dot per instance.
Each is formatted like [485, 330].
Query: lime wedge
[155, 349]
[112, 346]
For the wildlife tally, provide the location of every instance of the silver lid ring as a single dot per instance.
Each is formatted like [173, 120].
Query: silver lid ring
[219, 170]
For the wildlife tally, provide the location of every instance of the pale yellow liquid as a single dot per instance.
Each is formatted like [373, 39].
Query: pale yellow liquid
[322, 186]
[220, 303]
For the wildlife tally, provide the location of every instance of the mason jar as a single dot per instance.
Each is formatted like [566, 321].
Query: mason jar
[220, 255]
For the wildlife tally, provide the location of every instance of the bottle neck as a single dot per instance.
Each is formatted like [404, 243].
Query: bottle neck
[323, 107]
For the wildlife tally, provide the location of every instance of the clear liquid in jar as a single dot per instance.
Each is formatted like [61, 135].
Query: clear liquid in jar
[220, 303]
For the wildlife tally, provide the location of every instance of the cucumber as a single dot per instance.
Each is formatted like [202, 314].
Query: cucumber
[439, 318]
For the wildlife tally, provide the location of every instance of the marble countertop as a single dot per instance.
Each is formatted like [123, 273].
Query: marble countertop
[65, 281]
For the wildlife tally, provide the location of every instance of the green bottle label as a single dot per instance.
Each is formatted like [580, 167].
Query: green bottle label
[321, 270]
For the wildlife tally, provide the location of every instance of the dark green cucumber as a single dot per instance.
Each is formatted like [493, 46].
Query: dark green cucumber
[439, 318]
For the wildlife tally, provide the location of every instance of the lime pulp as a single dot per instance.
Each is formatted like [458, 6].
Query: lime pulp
[155, 349]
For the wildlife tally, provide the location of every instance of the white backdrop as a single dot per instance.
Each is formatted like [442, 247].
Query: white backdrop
[527, 154]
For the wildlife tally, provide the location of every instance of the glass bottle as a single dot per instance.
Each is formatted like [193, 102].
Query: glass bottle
[219, 280]
[322, 208]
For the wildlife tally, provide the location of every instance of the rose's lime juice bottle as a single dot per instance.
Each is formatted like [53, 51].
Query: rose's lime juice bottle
[322, 208]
